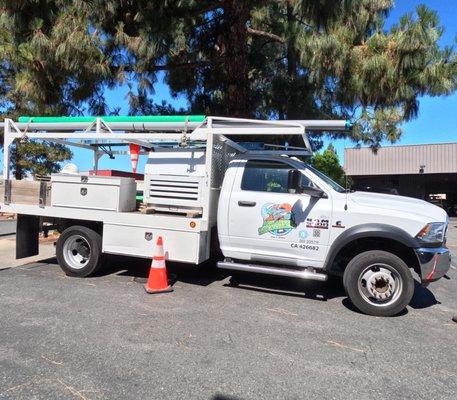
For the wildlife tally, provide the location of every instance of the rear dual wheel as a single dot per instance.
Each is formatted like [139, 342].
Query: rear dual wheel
[79, 251]
[378, 283]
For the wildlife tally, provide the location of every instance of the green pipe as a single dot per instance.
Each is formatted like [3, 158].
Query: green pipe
[116, 118]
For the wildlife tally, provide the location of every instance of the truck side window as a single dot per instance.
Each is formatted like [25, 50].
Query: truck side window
[267, 176]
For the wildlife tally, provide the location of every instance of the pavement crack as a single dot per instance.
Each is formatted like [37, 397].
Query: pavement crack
[282, 311]
[13, 388]
[51, 361]
[342, 346]
[72, 390]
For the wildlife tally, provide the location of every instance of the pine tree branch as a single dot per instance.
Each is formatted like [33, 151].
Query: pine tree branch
[194, 64]
[171, 66]
[266, 35]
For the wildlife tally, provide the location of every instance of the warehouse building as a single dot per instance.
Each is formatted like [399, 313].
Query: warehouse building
[426, 171]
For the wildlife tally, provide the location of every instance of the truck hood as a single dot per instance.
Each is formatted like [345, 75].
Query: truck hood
[409, 205]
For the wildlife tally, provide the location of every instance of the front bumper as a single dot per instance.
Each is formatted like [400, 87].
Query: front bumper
[434, 262]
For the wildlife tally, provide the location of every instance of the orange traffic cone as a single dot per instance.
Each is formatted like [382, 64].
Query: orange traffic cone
[134, 154]
[158, 280]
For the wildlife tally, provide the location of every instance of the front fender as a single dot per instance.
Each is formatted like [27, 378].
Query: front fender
[372, 230]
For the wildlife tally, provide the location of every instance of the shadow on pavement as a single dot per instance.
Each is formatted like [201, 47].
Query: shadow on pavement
[423, 297]
[138, 268]
[348, 304]
[224, 397]
[284, 286]
[207, 273]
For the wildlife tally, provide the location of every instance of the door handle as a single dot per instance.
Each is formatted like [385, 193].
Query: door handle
[246, 203]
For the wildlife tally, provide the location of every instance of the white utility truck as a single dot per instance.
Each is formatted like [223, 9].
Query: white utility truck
[271, 212]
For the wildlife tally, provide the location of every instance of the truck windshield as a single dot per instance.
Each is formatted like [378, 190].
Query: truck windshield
[325, 178]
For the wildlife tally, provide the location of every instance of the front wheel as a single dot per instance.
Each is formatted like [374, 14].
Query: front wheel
[378, 283]
[79, 251]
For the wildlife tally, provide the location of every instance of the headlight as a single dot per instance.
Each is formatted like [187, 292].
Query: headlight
[434, 232]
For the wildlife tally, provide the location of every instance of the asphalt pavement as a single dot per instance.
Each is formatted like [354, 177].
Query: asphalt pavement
[217, 336]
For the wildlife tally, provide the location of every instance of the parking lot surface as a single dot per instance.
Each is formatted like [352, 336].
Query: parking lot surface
[217, 336]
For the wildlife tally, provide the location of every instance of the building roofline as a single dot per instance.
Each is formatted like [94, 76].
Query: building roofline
[400, 145]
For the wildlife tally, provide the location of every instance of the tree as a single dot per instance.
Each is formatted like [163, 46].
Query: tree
[51, 64]
[287, 58]
[37, 158]
[293, 59]
[328, 163]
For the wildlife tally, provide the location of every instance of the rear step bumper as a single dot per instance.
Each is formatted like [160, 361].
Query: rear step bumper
[301, 274]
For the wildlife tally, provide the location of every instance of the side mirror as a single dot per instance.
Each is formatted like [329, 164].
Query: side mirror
[294, 180]
[313, 192]
[296, 184]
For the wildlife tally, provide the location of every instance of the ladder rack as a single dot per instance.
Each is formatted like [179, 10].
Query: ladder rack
[157, 132]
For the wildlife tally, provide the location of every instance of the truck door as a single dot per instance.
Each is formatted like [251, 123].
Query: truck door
[268, 222]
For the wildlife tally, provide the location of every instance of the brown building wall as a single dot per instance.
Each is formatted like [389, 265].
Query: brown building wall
[402, 160]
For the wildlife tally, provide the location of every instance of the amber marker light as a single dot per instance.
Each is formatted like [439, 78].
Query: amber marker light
[424, 231]
[193, 224]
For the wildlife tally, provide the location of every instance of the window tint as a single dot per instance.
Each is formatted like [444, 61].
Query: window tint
[267, 176]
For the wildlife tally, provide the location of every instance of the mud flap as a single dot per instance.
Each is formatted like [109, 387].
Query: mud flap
[27, 231]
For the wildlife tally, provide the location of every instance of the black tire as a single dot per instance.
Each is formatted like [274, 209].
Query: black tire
[88, 246]
[378, 262]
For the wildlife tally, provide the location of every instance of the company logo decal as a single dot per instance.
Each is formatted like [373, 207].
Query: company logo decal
[277, 219]
[318, 223]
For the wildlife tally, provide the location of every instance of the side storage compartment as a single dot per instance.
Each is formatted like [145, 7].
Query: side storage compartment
[94, 192]
[137, 241]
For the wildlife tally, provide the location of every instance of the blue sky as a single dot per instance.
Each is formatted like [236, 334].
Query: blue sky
[435, 123]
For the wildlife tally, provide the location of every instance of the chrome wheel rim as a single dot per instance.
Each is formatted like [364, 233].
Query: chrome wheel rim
[76, 252]
[380, 284]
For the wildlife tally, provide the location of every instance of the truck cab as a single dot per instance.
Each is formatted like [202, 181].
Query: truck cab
[282, 211]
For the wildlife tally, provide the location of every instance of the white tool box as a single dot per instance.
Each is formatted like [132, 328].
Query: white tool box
[93, 192]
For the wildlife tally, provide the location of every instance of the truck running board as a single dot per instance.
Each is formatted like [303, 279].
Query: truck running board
[301, 274]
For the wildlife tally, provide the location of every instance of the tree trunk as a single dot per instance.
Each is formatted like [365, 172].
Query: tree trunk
[236, 15]
[292, 62]
[291, 53]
